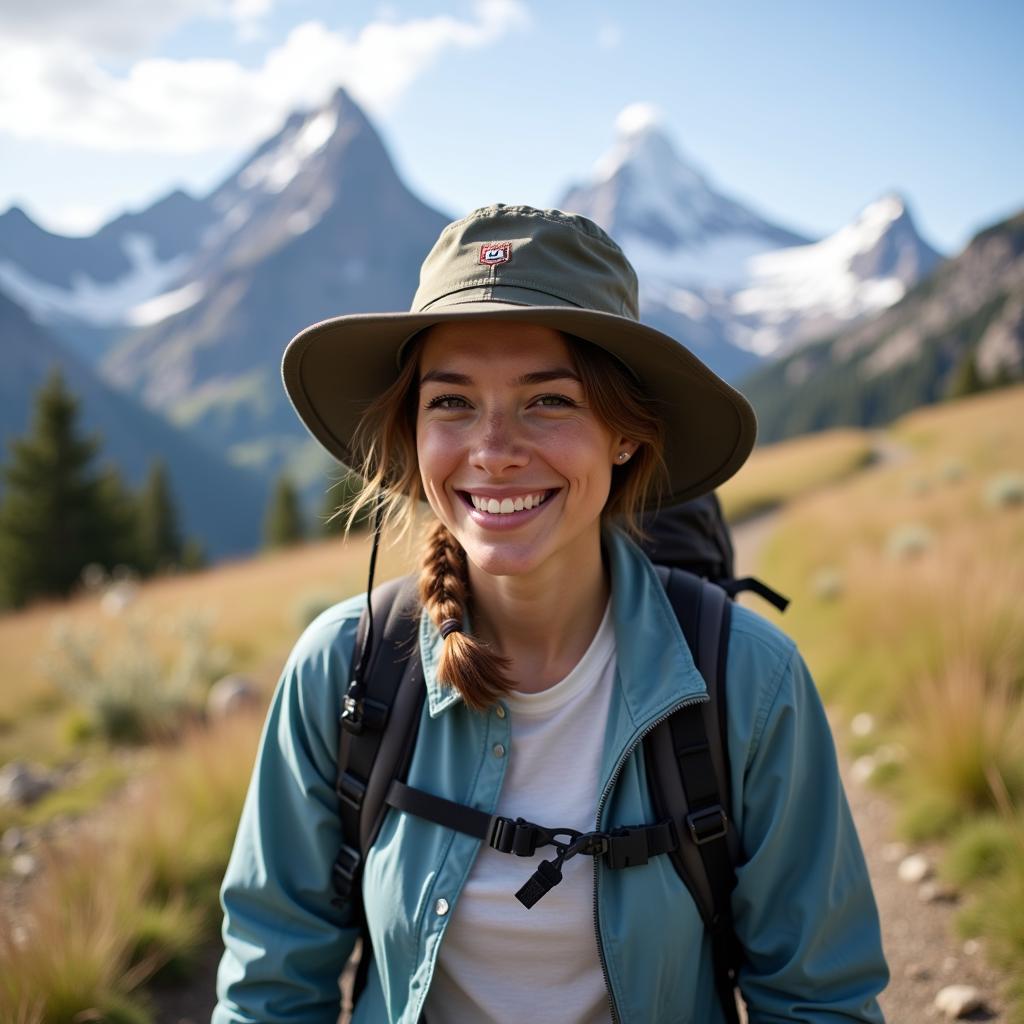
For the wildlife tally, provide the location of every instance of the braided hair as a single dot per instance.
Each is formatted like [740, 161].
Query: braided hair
[472, 667]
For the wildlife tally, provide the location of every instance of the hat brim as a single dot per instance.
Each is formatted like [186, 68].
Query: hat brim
[334, 370]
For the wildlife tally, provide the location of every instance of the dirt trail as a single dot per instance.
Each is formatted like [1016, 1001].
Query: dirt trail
[921, 944]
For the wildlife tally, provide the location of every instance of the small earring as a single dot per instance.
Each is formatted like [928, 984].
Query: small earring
[623, 456]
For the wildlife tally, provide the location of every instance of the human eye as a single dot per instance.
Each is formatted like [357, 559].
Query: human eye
[447, 402]
[555, 401]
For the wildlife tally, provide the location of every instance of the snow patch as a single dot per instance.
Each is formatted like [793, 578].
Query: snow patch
[275, 170]
[680, 300]
[97, 303]
[163, 306]
[637, 118]
[300, 222]
[719, 262]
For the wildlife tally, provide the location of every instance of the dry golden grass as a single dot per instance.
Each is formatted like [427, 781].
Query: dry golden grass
[907, 584]
[776, 474]
[133, 892]
[67, 954]
[252, 606]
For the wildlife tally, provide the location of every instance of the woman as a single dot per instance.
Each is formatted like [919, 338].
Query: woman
[522, 399]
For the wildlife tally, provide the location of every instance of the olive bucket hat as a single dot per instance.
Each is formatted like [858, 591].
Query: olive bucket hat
[517, 263]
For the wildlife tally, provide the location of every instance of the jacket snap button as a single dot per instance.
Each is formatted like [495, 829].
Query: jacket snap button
[499, 750]
[441, 907]
[499, 711]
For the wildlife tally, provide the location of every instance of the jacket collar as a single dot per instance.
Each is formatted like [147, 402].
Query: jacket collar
[655, 667]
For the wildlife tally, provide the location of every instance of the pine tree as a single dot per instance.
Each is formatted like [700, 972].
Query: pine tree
[158, 538]
[57, 515]
[967, 379]
[283, 523]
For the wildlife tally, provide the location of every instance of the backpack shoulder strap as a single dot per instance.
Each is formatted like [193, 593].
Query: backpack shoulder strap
[687, 760]
[379, 750]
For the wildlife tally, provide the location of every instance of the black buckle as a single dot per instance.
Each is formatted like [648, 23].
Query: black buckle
[351, 789]
[352, 714]
[359, 713]
[346, 867]
[627, 848]
[707, 824]
[592, 844]
[519, 837]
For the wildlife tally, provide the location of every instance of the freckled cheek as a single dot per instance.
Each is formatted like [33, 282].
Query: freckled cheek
[438, 456]
[582, 458]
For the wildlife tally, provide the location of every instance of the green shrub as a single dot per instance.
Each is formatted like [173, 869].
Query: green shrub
[908, 541]
[1005, 490]
[984, 847]
[167, 936]
[131, 694]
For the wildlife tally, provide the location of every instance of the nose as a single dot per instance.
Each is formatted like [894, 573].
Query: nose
[497, 449]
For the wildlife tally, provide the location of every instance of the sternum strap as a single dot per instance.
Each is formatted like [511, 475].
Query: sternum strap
[621, 847]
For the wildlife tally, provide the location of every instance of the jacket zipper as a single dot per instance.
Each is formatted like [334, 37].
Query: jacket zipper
[619, 765]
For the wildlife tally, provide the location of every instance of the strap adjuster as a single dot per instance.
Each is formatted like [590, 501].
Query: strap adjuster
[346, 867]
[707, 824]
[351, 789]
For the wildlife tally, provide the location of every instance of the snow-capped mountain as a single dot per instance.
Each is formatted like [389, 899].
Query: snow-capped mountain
[674, 225]
[798, 294]
[96, 280]
[735, 286]
[959, 331]
[316, 222]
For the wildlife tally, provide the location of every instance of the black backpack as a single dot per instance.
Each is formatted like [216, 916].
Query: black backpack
[686, 755]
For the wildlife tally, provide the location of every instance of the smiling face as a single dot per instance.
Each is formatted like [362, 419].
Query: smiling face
[512, 458]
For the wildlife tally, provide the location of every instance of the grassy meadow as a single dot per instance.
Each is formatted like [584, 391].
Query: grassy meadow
[904, 581]
[776, 474]
[907, 584]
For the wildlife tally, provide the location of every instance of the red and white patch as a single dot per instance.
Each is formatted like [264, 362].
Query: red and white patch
[493, 253]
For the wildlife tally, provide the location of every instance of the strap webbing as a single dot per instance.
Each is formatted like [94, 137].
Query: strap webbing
[390, 695]
[754, 586]
[695, 739]
[446, 813]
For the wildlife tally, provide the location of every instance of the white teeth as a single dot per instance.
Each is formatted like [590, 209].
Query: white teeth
[506, 505]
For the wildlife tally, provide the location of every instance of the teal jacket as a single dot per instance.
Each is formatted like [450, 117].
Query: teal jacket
[803, 905]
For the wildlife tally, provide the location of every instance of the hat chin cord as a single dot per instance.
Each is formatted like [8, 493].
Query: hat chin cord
[354, 702]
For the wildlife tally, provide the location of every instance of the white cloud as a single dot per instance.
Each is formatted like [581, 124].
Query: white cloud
[113, 28]
[72, 218]
[58, 91]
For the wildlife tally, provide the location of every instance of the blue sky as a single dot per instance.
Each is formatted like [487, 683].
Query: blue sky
[806, 112]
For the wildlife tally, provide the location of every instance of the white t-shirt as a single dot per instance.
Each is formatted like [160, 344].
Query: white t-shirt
[500, 962]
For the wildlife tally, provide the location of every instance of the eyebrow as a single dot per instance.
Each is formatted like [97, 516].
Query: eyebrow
[527, 379]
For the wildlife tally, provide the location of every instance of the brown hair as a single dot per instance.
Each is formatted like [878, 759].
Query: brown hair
[384, 448]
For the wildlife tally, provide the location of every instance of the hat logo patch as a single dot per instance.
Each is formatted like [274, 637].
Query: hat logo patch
[493, 253]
